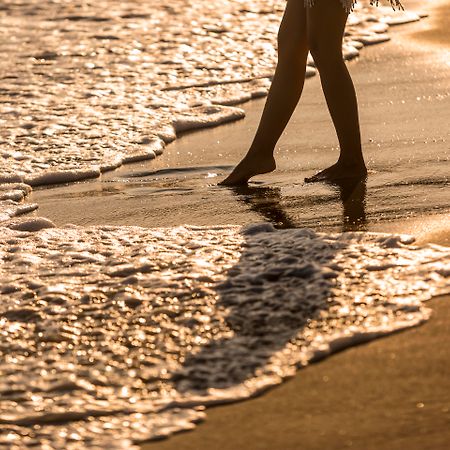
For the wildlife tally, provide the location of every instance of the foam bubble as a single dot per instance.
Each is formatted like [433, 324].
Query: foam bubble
[62, 176]
[34, 224]
[206, 116]
[11, 198]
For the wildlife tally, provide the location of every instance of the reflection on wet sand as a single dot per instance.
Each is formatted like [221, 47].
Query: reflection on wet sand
[353, 197]
[268, 202]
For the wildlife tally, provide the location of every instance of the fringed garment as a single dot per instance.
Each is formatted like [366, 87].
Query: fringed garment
[349, 4]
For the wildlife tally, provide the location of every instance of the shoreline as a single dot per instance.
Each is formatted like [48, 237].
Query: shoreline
[142, 197]
[267, 426]
[219, 112]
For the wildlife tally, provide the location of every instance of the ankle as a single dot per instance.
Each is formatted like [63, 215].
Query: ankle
[351, 162]
[262, 151]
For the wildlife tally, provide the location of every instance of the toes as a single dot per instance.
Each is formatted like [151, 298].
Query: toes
[333, 177]
[233, 181]
[317, 177]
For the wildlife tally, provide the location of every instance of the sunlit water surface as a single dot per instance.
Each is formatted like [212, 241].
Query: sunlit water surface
[119, 335]
[114, 335]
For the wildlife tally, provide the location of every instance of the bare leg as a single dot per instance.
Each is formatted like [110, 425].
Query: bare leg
[284, 94]
[325, 23]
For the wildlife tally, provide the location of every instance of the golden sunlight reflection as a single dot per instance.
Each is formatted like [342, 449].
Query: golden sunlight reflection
[134, 297]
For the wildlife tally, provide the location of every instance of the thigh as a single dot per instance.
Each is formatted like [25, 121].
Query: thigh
[325, 26]
[292, 32]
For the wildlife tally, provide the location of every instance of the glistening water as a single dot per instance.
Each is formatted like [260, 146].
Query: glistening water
[114, 335]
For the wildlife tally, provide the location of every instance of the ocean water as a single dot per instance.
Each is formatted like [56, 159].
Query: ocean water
[116, 335]
[113, 335]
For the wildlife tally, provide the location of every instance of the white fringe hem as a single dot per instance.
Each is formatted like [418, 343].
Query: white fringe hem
[350, 4]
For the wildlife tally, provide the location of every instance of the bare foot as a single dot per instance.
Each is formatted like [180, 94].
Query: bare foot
[252, 164]
[339, 171]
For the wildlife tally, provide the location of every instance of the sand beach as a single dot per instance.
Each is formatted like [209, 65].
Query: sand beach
[121, 280]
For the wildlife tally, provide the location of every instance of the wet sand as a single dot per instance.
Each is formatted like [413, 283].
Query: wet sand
[403, 94]
[392, 393]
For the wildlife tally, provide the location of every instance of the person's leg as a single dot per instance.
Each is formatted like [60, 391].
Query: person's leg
[325, 25]
[284, 94]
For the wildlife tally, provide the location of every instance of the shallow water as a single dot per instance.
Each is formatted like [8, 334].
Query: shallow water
[282, 199]
[108, 332]
[115, 335]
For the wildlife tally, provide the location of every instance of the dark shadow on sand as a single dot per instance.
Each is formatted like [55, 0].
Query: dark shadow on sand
[280, 284]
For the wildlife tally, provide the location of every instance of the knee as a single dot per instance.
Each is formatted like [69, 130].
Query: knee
[318, 51]
[324, 55]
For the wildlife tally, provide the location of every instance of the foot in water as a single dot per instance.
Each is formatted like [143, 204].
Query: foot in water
[338, 172]
[251, 165]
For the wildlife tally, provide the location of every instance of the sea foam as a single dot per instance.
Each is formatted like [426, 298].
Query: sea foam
[116, 335]
[87, 86]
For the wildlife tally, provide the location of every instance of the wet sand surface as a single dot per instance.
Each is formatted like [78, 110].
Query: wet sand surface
[403, 89]
[392, 393]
